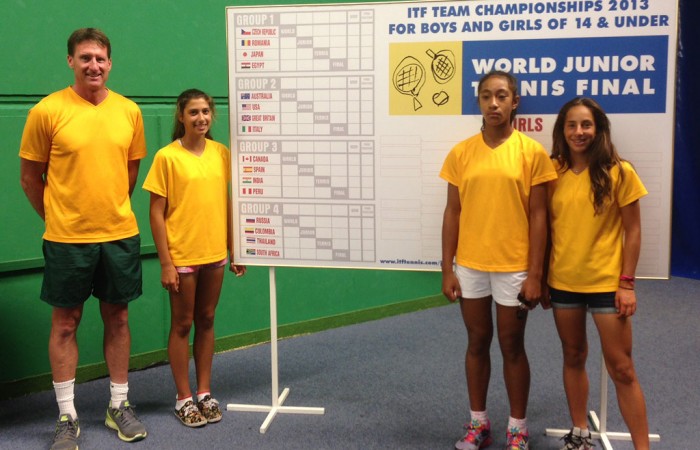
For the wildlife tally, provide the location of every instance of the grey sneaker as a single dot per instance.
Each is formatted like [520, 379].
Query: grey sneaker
[123, 419]
[67, 432]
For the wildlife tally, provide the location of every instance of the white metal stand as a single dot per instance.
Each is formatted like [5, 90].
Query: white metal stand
[277, 400]
[599, 426]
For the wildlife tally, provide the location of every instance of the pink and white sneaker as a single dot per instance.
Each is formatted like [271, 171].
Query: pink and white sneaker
[478, 436]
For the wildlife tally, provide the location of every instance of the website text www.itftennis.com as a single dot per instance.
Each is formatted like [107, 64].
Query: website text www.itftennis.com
[409, 262]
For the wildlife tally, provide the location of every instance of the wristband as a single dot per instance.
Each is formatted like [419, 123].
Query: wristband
[626, 288]
[627, 278]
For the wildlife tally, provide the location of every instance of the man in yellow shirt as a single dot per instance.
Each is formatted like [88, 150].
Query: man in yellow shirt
[80, 155]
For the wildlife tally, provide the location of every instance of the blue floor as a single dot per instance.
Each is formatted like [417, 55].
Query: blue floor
[393, 383]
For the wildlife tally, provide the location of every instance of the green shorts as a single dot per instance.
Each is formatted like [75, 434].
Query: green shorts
[111, 271]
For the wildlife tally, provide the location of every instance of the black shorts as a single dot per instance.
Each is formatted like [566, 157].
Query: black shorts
[111, 271]
[597, 302]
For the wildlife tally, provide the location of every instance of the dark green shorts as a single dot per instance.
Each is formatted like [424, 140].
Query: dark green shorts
[111, 271]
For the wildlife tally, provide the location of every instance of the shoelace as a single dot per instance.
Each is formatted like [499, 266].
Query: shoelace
[65, 428]
[517, 438]
[573, 442]
[210, 402]
[474, 425]
[569, 442]
[190, 409]
[475, 430]
[126, 415]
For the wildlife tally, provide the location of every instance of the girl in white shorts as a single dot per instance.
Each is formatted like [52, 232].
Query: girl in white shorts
[494, 232]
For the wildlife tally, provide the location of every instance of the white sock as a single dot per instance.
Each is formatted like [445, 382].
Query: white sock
[201, 395]
[118, 393]
[179, 403]
[520, 424]
[481, 416]
[582, 432]
[64, 396]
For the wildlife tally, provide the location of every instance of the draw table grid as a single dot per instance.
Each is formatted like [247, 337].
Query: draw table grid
[307, 106]
[295, 79]
[306, 41]
[304, 231]
[320, 170]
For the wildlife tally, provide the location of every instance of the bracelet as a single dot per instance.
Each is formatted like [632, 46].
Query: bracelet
[627, 279]
[626, 288]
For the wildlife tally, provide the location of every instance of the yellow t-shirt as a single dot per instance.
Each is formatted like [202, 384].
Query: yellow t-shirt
[88, 148]
[586, 251]
[196, 191]
[494, 191]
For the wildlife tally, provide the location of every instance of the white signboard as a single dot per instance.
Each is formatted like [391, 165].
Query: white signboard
[341, 115]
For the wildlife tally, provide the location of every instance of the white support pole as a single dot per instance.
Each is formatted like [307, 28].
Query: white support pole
[599, 426]
[277, 399]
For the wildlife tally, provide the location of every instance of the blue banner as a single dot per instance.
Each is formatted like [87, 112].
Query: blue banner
[624, 74]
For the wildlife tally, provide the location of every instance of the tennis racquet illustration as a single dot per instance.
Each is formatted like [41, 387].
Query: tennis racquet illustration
[443, 65]
[409, 77]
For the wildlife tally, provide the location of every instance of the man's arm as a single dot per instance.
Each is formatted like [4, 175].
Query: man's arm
[33, 183]
[133, 167]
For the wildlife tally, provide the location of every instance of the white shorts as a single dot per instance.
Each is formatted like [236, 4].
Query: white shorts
[504, 287]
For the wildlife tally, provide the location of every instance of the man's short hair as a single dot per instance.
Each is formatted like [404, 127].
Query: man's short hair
[89, 34]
